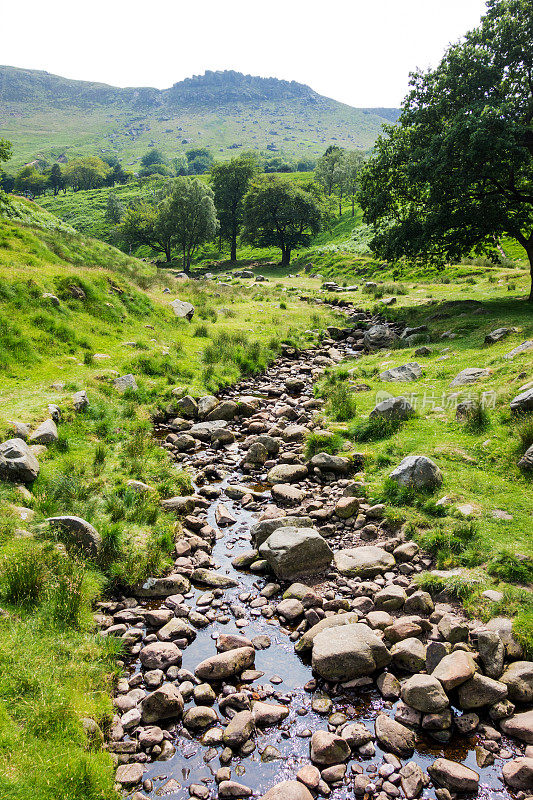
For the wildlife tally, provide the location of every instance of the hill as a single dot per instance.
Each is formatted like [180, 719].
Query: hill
[51, 117]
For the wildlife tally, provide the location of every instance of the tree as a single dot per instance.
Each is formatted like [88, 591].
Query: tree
[230, 181]
[326, 170]
[55, 179]
[192, 208]
[457, 173]
[199, 161]
[30, 181]
[153, 156]
[147, 224]
[352, 167]
[5, 150]
[86, 173]
[7, 182]
[114, 209]
[279, 213]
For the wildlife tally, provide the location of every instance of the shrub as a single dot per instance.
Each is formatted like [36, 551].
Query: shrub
[323, 443]
[201, 331]
[477, 417]
[510, 567]
[23, 573]
[368, 430]
[341, 403]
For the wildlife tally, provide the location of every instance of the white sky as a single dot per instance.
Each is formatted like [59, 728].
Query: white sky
[356, 51]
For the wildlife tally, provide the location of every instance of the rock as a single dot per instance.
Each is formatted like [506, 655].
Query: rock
[160, 655]
[364, 562]
[187, 407]
[424, 693]
[470, 375]
[418, 602]
[307, 596]
[81, 533]
[198, 718]
[520, 726]
[406, 372]
[518, 677]
[453, 776]
[328, 463]
[288, 790]
[46, 433]
[522, 348]
[526, 462]
[481, 691]
[454, 669]
[239, 730]
[54, 300]
[347, 507]
[296, 551]
[356, 734]
[287, 473]
[125, 382]
[205, 405]
[285, 493]
[290, 608]
[267, 714]
[225, 410]
[453, 629]
[262, 530]
[17, 462]
[393, 408]
[306, 642]
[394, 736]
[380, 336]
[391, 598]
[328, 748]
[346, 652]
[163, 703]
[182, 309]
[233, 789]
[497, 335]
[80, 400]
[256, 454]
[503, 626]
[309, 776]
[492, 654]
[418, 472]
[163, 587]
[412, 780]
[226, 665]
[388, 685]
[179, 504]
[208, 577]
[129, 774]
[518, 773]
[409, 655]
[523, 402]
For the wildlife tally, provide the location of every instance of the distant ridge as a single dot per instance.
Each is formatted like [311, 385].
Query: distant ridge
[221, 110]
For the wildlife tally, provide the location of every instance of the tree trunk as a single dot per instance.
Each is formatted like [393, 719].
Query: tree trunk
[353, 206]
[340, 207]
[529, 251]
[233, 256]
[167, 253]
[285, 256]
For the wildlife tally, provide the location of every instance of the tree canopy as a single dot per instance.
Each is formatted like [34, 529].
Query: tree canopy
[279, 213]
[230, 181]
[5, 150]
[457, 173]
[89, 172]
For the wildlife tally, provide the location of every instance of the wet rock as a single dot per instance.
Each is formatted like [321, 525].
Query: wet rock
[417, 472]
[454, 776]
[481, 691]
[309, 776]
[424, 693]
[346, 652]
[296, 551]
[329, 463]
[163, 587]
[129, 774]
[412, 780]
[226, 665]
[520, 726]
[164, 703]
[288, 790]
[262, 530]
[232, 641]
[234, 789]
[328, 748]
[306, 642]
[356, 734]
[467, 723]
[199, 717]
[393, 736]
[518, 773]
[267, 714]
[208, 577]
[80, 532]
[160, 655]
[454, 669]
[239, 730]
[409, 655]
[176, 628]
[17, 462]
[287, 473]
[364, 562]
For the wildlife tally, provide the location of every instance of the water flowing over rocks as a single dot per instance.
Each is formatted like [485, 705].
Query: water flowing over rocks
[284, 656]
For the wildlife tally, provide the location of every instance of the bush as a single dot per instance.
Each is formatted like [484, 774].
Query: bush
[323, 443]
[510, 567]
[341, 404]
[477, 418]
[201, 331]
[369, 430]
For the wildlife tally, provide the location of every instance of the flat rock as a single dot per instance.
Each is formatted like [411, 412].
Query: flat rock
[287, 473]
[226, 665]
[364, 562]
[470, 375]
[296, 551]
[454, 776]
[346, 652]
[306, 642]
[405, 372]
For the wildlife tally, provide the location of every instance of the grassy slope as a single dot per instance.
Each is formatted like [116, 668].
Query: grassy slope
[53, 671]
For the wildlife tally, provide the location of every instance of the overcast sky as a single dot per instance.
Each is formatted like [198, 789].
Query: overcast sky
[356, 51]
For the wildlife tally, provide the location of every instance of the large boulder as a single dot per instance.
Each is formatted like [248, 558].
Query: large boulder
[394, 736]
[424, 693]
[481, 691]
[182, 309]
[518, 677]
[160, 655]
[80, 532]
[306, 642]
[523, 402]
[17, 462]
[225, 410]
[526, 462]
[393, 408]
[417, 472]
[125, 382]
[347, 652]
[287, 473]
[518, 773]
[187, 406]
[165, 702]
[520, 726]
[454, 776]
[46, 433]
[469, 375]
[454, 669]
[405, 372]
[328, 463]
[364, 562]
[288, 790]
[204, 431]
[296, 551]
[380, 336]
[226, 665]
[262, 530]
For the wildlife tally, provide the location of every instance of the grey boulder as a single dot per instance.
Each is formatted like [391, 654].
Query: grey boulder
[296, 551]
[46, 433]
[17, 462]
[81, 532]
[380, 336]
[405, 372]
[347, 652]
[182, 309]
[418, 472]
[393, 408]
[364, 562]
[328, 463]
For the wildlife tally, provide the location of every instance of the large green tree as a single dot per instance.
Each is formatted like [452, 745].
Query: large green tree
[5, 150]
[89, 172]
[457, 173]
[230, 181]
[327, 168]
[192, 208]
[149, 224]
[279, 213]
[30, 181]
